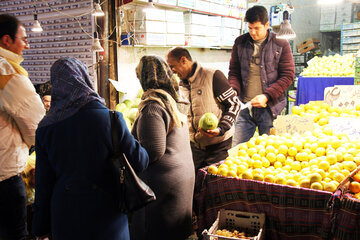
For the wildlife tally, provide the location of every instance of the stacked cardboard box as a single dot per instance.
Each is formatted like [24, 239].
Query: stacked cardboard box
[307, 45]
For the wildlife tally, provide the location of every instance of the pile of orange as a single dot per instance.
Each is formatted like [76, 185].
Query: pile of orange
[354, 186]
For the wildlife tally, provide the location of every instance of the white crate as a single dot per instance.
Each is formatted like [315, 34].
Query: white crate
[193, 29]
[214, 32]
[214, 21]
[195, 18]
[175, 39]
[174, 16]
[193, 40]
[144, 38]
[149, 26]
[230, 22]
[175, 27]
[251, 223]
[139, 14]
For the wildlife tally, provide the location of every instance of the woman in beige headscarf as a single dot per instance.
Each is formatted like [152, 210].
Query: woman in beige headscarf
[162, 130]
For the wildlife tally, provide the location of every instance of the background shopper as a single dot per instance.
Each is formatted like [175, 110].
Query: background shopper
[207, 90]
[261, 69]
[163, 132]
[74, 191]
[20, 112]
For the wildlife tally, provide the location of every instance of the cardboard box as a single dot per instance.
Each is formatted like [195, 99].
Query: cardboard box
[174, 16]
[193, 40]
[308, 47]
[138, 14]
[250, 223]
[144, 38]
[214, 32]
[193, 29]
[307, 42]
[195, 18]
[214, 21]
[175, 39]
[149, 26]
[175, 27]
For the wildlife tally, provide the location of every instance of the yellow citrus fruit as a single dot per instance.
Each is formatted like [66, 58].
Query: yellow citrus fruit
[241, 169]
[232, 173]
[251, 151]
[313, 147]
[338, 177]
[280, 179]
[280, 158]
[256, 156]
[250, 143]
[277, 165]
[324, 165]
[258, 177]
[348, 157]
[243, 146]
[305, 183]
[292, 151]
[283, 149]
[330, 187]
[296, 166]
[291, 182]
[270, 149]
[315, 177]
[331, 159]
[271, 157]
[269, 178]
[349, 165]
[316, 185]
[213, 169]
[242, 152]
[345, 172]
[246, 175]
[222, 171]
[302, 156]
[265, 162]
[356, 177]
[257, 164]
[320, 151]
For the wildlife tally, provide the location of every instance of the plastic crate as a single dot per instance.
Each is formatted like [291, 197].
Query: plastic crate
[250, 223]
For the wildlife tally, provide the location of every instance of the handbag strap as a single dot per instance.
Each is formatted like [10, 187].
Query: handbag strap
[114, 134]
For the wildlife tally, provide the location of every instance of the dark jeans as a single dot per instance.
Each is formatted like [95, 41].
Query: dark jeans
[245, 125]
[211, 154]
[12, 209]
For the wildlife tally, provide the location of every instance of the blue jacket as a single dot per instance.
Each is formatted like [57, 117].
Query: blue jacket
[74, 191]
[276, 64]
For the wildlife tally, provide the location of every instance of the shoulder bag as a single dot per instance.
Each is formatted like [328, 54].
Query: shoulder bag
[131, 192]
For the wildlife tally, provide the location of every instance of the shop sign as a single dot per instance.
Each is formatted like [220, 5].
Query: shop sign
[293, 124]
[342, 96]
[350, 126]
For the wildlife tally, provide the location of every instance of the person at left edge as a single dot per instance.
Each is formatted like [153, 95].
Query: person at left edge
[74, 190]
[20, 112]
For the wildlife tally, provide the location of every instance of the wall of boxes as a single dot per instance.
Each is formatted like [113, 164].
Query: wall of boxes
[333, 16]
[67, 30]
[196, 23]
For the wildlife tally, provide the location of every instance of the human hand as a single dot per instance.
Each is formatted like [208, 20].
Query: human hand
[259, 101]
[210, 133]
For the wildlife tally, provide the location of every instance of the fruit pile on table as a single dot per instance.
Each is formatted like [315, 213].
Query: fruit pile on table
[318, 160]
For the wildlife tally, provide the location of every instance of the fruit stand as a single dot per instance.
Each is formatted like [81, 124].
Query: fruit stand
[295, 178]
[312, 88]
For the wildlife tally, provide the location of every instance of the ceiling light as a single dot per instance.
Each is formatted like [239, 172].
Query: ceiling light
[286, 31]
[96, 46]
[98, 12]
[36, 25]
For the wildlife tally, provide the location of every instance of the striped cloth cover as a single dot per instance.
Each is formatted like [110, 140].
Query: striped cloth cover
[291, 212]
[347, 219]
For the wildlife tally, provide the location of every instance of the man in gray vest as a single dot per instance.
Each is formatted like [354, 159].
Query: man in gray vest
[207, 90]
[261, 69]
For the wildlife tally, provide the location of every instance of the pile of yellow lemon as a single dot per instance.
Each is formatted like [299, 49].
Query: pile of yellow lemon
[321, 111]
[317, 160]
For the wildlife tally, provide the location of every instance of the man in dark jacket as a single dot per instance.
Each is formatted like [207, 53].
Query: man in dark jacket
[261, 69]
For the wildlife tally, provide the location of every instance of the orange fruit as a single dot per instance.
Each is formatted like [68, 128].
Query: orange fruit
[354, 187]
[356, 177]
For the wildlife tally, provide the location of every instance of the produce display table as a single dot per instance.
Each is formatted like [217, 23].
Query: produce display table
[291, 212]
[312, 89]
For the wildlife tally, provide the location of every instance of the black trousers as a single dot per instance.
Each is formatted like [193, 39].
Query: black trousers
[211, 154]
[13, 209]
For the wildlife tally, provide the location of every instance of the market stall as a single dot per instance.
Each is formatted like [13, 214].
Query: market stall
[291, 212]
[312, 88]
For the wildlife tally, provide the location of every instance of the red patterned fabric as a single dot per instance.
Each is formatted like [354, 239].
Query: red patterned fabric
[291, 212]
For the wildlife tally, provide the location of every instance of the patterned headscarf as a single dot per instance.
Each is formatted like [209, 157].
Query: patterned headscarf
[160, 85]
[71, 90]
